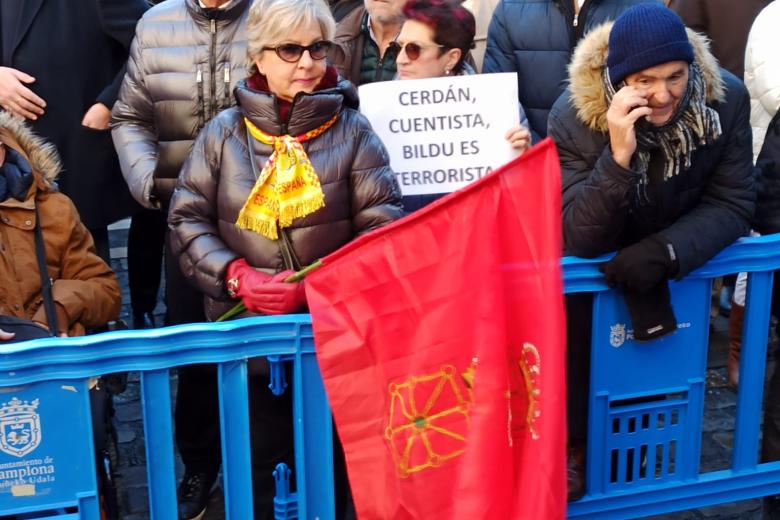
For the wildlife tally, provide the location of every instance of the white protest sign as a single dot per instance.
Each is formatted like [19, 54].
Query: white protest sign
[443, 133]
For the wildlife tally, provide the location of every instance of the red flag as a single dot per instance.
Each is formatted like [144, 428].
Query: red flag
[441, 344]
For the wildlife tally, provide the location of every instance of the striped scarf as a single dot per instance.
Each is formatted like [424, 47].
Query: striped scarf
[287, 188]
[693, 124]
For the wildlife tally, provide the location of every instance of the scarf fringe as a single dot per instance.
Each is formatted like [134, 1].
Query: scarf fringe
[264, 226]
[290, 212]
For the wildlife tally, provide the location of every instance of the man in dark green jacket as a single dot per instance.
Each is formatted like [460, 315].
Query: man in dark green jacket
[362, 53]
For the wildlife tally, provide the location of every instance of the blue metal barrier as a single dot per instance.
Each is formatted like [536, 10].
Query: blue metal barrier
[646, 406]
[44, 390]
[647, 399]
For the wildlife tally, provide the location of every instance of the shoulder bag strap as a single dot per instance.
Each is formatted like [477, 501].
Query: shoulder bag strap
[40, 253]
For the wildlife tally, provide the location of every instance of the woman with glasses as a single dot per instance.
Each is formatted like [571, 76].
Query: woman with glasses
[434, 41]
[289, 175]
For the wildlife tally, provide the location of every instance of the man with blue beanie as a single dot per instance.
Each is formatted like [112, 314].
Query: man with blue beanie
[654, 141]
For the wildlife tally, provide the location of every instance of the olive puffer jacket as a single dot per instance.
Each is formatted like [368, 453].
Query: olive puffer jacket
[699, 211]
[184, 62]
[361, 191]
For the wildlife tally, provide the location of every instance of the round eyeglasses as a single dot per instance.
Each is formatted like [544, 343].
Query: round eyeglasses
[411, 49]
[292, 52]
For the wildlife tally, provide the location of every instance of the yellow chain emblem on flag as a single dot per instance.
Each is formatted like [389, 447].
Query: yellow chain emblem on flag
[429, 418]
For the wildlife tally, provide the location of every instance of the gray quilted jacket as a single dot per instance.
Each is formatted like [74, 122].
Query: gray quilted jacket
[184, 62]
[361, 191]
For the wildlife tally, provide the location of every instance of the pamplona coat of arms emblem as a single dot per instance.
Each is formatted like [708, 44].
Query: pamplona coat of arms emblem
[20, 427]
[617, 334]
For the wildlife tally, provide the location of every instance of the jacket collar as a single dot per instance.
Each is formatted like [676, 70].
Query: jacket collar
[308, 111]
[590, 58]
[352, 25]
[203, 16]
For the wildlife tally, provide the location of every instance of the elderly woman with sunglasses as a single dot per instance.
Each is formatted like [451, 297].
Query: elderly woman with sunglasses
[434, 41]
[289, 175]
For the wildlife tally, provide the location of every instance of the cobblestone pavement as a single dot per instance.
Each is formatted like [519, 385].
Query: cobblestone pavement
[720, 407]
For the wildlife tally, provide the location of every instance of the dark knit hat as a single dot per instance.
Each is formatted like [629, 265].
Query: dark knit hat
[644, 36]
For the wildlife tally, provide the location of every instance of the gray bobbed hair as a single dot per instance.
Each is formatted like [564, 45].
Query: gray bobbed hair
[270, 21]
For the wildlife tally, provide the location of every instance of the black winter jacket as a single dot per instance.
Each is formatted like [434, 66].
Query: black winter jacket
[700, 211]
[768, 172]
[361, 191]
[76, 51]
[535, 38]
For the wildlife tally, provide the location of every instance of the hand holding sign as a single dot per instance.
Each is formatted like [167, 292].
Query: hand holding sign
[519, 138]
[443, 133]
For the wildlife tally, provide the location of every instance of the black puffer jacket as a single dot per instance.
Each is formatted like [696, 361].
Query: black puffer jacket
[700, 211]
[184, 62]
[361, 191]
[535, 39]
[767, 218]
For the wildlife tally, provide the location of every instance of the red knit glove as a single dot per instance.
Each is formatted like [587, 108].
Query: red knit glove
[276, 296]
[241, 277]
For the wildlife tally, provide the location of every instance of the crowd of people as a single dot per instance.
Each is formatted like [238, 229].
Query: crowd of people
[230, 132]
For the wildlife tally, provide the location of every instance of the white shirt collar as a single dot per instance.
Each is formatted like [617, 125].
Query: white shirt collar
[371, 29]
[226, 5]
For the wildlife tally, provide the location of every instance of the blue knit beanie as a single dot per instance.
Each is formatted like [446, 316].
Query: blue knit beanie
[644, 36]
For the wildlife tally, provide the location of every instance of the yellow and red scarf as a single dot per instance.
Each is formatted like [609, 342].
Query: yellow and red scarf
[287, 188]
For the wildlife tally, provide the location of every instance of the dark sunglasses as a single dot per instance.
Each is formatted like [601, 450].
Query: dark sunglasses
[412, 49]
[292, 52]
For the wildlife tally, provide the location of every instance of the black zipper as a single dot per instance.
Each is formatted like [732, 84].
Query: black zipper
[289, 257]
[282, 124]
[378, 75]
[213, 68]
[285, 125]
[380, 65]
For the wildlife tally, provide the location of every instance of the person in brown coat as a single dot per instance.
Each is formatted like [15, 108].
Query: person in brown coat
[85, 290]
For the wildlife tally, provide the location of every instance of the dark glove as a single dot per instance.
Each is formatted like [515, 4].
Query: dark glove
[641, 266]
[241, 277]
[651, 312]
[275, 296]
